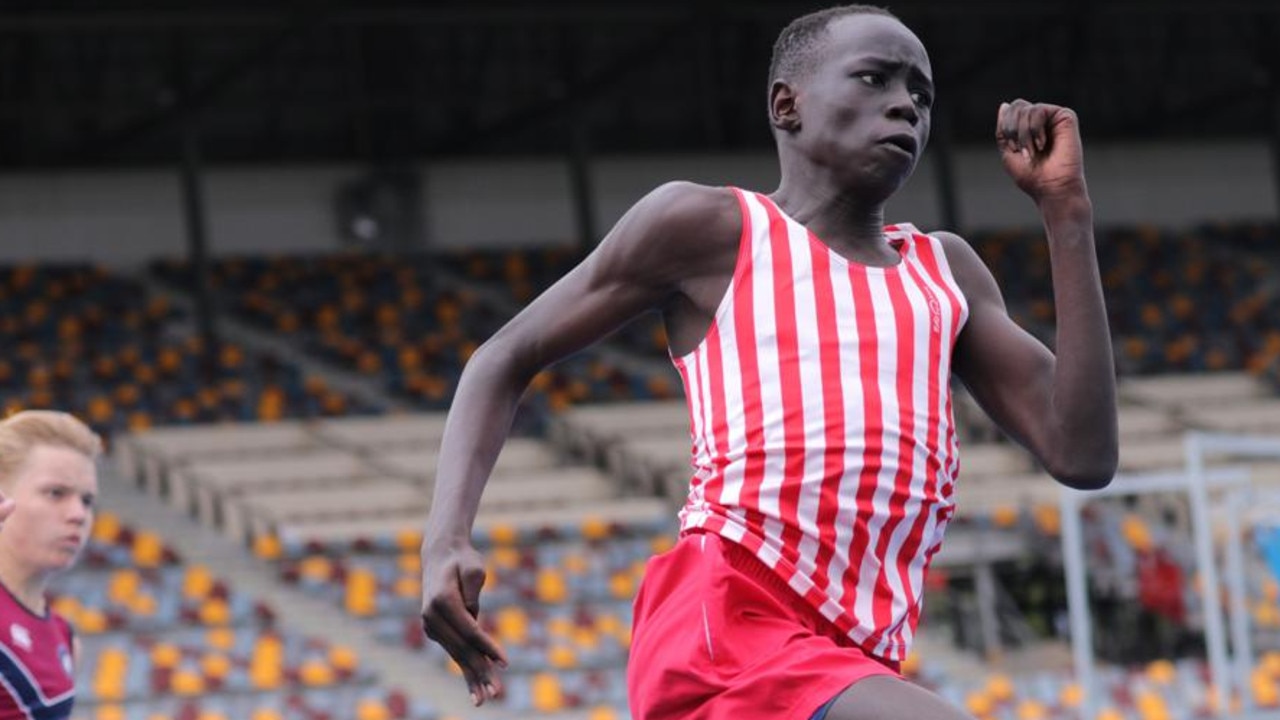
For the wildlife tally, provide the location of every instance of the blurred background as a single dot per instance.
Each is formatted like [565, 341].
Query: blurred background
[253, 244]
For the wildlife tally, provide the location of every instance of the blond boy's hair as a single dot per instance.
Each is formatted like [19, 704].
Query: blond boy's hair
[23, 431]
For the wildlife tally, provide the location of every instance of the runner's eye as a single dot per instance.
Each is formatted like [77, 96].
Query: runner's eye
[874, 79]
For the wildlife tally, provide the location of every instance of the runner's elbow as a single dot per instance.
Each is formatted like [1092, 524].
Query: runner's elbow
[498, 360]
[1086, 470]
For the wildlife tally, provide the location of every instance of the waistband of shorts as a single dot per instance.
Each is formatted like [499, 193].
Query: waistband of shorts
[746, 562]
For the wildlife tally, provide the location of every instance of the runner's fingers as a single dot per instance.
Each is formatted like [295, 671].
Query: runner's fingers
[1007, 126]
[477, 669]
[1025, 138]
[1039, 127]
[464, 623]
[452, 610]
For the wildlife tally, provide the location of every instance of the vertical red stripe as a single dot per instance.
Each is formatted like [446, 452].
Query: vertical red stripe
[929, 260]
[753, 414]
[864, 312]
[784, 316]
[832, 410]
[744, 327]
[752, 420]
[716, 418]
[904, 330]
[696, 415]
[911, 548]
[693, 396]
[718, 415]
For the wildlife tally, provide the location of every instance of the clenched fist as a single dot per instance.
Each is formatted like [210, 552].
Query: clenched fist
[1040, 147]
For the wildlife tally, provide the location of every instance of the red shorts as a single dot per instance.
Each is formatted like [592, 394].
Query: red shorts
[718, 636]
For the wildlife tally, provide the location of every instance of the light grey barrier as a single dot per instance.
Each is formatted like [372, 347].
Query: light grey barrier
[1204, 487]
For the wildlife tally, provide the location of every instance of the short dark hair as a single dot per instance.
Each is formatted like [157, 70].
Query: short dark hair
[794, 52]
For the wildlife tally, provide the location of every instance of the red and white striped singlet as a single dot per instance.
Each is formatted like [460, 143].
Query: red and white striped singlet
[820, 413]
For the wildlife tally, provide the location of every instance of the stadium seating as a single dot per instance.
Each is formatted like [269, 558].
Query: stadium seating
[521, 274]
[339, 505]
[557, 595]
[166, 639]
[90, 342]
[1161, 689]
[1192, 301]
[392, 318]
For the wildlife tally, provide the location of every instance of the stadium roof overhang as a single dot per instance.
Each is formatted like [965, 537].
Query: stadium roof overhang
[108, 83]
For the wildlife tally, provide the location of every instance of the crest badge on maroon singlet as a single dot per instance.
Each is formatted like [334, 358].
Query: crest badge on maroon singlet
[20, 636]
[64, 657]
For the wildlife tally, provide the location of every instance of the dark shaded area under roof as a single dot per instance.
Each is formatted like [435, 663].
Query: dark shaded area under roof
[108, 83]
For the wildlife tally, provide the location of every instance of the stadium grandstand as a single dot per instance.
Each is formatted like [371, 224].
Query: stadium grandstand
[253, 245]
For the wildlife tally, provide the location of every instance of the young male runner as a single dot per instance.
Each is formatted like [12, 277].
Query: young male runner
[816, 345]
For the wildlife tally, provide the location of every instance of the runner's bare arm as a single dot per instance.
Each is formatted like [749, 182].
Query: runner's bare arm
[641, 265]
[1061, 406]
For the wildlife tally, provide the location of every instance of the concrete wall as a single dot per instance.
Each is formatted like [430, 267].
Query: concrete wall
[122, 218]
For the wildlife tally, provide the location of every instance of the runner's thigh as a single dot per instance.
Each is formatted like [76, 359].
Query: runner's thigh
[888, 698]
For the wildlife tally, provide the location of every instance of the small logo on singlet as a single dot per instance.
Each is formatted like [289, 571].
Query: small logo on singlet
[64, 656]
[935, 310]
[20, 636]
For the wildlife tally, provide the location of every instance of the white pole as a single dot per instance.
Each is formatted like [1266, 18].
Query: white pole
[1074, 562]
[1214, 632]
[1078, 602]
[1241, 647]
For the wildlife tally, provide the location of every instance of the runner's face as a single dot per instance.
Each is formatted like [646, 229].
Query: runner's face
[865, 108]
[53, 490]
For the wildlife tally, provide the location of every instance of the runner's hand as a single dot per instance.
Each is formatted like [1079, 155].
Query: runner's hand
[451, 582]
[1040, 146]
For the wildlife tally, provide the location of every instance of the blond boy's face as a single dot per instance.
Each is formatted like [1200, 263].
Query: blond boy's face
[54, 491]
